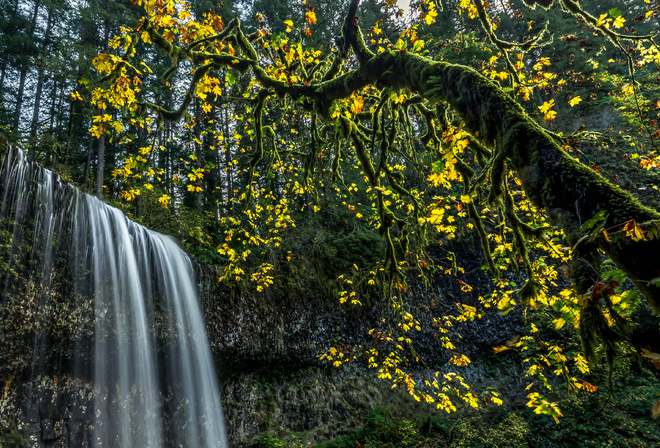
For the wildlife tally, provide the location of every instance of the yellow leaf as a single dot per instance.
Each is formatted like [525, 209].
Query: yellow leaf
[589, 387]
[627, 90]
[169, 36]
[500, 348]
[310, 17]
[430, 16]
[550, 115]
[358, 105]
[546, 106]
[575, 100]
[459, 360]
[436, 216]
[619, 21]
[634, 231]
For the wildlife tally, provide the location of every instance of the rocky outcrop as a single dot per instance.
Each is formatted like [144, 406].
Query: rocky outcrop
[266, 345]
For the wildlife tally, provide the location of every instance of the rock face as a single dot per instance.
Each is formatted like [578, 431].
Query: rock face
[266, 346]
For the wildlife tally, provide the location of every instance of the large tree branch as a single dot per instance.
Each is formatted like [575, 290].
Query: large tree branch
[569, 191]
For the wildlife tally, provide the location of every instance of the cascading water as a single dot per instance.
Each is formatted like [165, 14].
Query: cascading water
[110, 304]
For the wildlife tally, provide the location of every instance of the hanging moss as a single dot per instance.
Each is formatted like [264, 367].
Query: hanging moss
[551, 179]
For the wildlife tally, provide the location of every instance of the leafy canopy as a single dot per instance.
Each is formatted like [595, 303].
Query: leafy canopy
[387, 125]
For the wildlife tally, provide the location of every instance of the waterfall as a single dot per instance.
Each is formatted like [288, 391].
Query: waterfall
[97, 298]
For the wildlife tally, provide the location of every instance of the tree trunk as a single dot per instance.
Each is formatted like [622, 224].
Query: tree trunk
[101, 148]
[99, 167]
[228, 159]
[24, 70]
[51, 121]
[2, 80]
[69, 136]
[217, 172]
[199, 154]
[88, 165]
[40, 85]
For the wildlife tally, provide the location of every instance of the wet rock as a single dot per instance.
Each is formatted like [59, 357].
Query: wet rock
[48, 430]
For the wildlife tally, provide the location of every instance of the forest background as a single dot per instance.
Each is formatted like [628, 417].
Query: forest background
[379, 185]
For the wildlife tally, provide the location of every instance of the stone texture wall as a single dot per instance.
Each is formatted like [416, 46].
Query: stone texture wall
[266, 347]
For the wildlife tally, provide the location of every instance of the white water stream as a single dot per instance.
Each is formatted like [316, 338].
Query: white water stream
[153, 376]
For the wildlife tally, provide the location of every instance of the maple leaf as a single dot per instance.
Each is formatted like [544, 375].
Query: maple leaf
[549, 116]
[575, 100]
[431, 14]
[358, 105]
[546, 106]
[310, 17]
[167, 21]
[169, 36]
[618, 22]
[164, 199]
[436, 216]
[634, 231]
[601, 289]
[289, 25]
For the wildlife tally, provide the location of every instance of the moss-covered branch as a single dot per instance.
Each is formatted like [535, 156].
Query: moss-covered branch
[554, 181]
